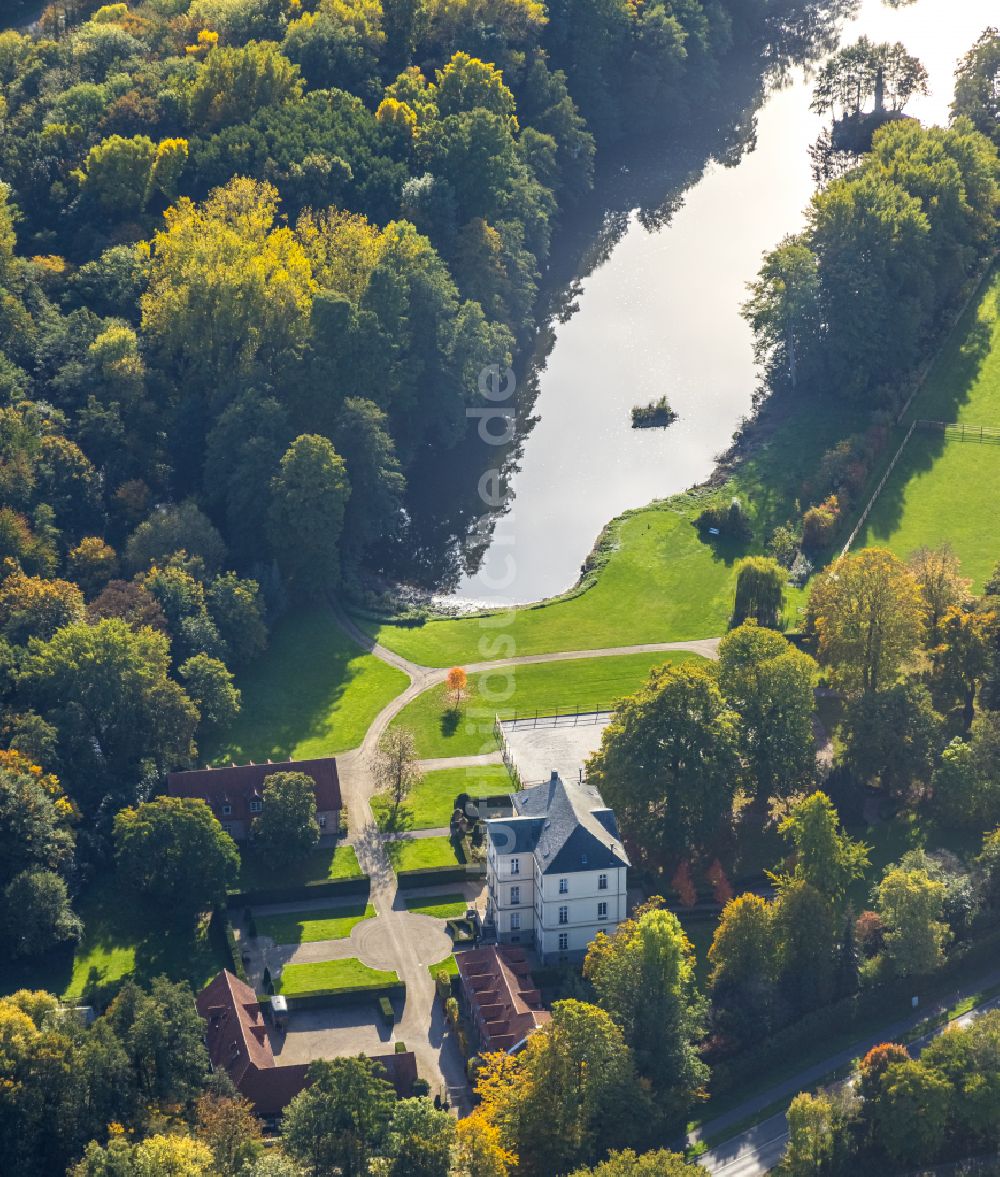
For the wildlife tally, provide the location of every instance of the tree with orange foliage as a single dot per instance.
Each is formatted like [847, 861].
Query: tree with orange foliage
[684, 886]
[722, 889]
[875, 1064]
[457, 681]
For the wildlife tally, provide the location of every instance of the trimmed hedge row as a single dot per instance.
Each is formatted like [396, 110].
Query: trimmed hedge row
[335, 998]
[430, 876]
[333, 888]
[888, 999]
[221, 920]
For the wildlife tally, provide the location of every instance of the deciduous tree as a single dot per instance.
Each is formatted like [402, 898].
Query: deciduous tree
[306, 514]
[770, 684]
[867, 613]
[287, 826]
[668, 762]
[342, 1118]
[644, 977]
[175, 853]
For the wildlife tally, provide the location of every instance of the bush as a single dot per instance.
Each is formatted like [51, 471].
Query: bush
[730, 522]
[386, 1011]
[819, 524]
[401, 1048]
[420, 1088]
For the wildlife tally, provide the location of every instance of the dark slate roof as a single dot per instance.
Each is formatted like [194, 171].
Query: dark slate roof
[568, 826]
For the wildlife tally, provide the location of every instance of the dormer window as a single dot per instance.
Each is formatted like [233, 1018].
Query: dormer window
[227, 810]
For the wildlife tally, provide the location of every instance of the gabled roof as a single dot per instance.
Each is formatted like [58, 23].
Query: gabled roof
[236, 785]
[498, 986]
[235, 1032]
[567, 827]
[237, 1041]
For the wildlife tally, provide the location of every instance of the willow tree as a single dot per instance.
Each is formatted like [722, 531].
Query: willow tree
[760, 591]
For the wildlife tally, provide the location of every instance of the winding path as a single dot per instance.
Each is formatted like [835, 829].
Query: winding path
[408, 942]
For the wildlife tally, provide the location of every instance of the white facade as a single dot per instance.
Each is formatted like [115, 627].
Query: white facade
[555, 882]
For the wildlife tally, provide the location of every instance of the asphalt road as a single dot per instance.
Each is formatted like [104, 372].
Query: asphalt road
[758, 1150]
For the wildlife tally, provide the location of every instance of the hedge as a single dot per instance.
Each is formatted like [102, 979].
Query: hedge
[220, 916]
[334, 998]
[325, 888]
[890, 999]
[430, 876]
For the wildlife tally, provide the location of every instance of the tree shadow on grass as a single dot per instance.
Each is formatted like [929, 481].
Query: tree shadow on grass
[449, 722]
[396, 818]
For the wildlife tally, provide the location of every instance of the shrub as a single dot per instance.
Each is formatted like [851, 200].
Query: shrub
[783, 545]
[819, 524]
[400, 1048]
[387, 1013]
[730, 522]
[420, 1088]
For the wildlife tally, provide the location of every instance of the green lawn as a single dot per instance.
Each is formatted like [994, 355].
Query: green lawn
[122, 938]
[318, 866]
[306, 927]
[312, 693]
[420, 853]
[327, 975]
[659, 583]
[944, 489]
[579, 683]
[432, 801]
[441, 907]
[449, 965]
[941, 491]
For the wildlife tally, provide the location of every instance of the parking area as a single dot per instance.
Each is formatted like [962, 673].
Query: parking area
[332, 1033]
[555, 744]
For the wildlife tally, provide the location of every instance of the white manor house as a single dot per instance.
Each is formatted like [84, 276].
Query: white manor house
[555, 870]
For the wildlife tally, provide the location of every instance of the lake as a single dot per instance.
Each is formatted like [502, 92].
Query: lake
[654, 308]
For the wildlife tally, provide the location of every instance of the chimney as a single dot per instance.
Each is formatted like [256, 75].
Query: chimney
[554, 777]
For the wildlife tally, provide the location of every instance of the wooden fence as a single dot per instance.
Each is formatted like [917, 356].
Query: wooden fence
[961, 432]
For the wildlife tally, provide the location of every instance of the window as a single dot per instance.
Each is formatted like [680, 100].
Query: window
[564, 915]
[227, 810]
[563, 941]
[515, 866]
[256, 806]
[602, 882]
[515, 895]
[564, 886]
[515, 921]
[602, 911]
[227, 828]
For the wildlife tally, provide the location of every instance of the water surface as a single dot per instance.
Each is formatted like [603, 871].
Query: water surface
[659, 314]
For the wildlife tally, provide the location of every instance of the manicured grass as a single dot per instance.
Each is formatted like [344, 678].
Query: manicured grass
[420, 853]
[449, 965]
[545, 687]
[122, 938]
[441, 907]
[943, 490]
[306, 927]
[331, 975]
[312, 693]
[318, 866]
[660, 582]
[431, 803]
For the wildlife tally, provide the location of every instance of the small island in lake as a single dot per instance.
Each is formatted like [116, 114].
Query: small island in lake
[657, 414]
